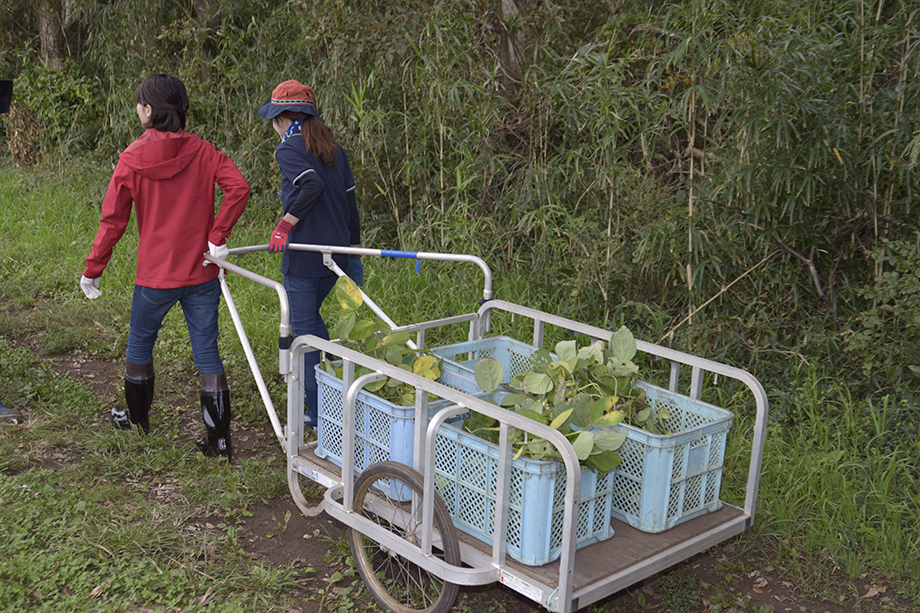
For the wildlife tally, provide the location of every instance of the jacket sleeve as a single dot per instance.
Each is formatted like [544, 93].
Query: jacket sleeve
[309, 190]
[236, 195]
[116, 212]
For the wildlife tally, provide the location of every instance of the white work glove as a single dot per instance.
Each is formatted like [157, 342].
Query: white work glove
[90, 287]
[218, 251]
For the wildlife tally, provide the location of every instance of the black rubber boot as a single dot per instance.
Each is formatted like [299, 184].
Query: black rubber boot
[138, 398]
[215, 410]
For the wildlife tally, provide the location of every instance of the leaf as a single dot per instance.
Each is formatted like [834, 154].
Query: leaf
[584, 444]
[394, 356]
[561, 419]
[643, 415]
[604, 462]
[623, 345]
[610, 419]
[362, 329]
[427, 366]
[608, 439]
[396, 338]
[489, 374]
[602, 406]
[582, 415]
[621, 370]
[595, 351]
[566, 351]
[539, 449]
[375, 386]
[537, 417]
[347, 294]
[336, 576]
[537, 383]
[514, 400]
[345, 325]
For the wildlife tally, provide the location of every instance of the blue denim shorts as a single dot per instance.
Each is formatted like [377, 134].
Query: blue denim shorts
[199, 304]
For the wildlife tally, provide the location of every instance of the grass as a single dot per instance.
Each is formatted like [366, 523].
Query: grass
[87, 531]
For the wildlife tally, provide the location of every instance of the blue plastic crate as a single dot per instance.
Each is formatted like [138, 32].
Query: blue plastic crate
[514, 356]
[466, 477]
[665, 480]
[383, 431]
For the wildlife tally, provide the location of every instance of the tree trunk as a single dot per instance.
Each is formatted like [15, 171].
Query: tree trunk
[508, 50]
[51, 32]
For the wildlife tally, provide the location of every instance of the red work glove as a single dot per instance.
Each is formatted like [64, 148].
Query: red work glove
[279, 237]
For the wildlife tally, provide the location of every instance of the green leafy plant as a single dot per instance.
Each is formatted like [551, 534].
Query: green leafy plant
[377, 340]
[582, 392]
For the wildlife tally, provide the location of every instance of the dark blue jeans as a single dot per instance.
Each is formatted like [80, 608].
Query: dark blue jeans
[199, 304]
[306, 295]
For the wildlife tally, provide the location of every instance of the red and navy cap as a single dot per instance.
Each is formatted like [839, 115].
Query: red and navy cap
[290, 96]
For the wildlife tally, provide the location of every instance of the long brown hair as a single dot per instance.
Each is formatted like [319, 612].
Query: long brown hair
[317, 137]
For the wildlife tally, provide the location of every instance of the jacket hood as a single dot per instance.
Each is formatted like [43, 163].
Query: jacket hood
[160, 155]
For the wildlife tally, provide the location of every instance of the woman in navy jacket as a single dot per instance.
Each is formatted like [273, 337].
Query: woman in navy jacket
[319, 208]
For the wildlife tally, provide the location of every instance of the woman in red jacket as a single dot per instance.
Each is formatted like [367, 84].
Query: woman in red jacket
[169, 176]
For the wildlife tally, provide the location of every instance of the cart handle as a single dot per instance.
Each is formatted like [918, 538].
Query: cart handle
[388, 253]
[284, 335]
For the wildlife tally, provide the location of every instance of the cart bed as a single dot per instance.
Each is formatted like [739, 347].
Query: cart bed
[601, 569]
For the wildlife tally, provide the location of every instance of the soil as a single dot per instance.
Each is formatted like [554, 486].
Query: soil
[723, 578]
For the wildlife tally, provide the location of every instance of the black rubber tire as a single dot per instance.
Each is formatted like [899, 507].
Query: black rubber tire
[398, 585]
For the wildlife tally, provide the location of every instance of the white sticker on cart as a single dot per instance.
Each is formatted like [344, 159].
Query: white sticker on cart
[322, 479]
[522, 587]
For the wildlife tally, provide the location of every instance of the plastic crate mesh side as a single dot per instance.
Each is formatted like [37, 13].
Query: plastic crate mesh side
[675, 497]
[472, 470]
[445, 466]
[679, 463]
[603, 501]
[520, 362]
[330, 413]
[693, 493]
[633, 455]
[514, 540]
[626, 498]
[713, 485]
[474, 509]
[717, 449]
[516, 485]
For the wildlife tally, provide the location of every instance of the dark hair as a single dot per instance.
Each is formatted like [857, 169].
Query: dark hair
[317, 136]
[167, 98]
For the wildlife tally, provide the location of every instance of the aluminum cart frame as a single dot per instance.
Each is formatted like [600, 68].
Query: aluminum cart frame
[578, 578]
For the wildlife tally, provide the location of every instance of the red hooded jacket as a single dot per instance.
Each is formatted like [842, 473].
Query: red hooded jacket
[170, 177]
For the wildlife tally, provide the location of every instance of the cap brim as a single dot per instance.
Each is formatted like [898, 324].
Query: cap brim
[270, 111]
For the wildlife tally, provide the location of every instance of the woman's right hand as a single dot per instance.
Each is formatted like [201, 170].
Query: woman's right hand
[279, 237]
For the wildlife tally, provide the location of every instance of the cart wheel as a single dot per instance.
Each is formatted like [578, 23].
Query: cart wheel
[398, 585]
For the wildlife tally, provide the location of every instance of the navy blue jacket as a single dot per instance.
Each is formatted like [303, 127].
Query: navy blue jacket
[333, 219]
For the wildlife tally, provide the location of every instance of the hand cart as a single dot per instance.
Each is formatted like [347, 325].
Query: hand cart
[406, 548]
